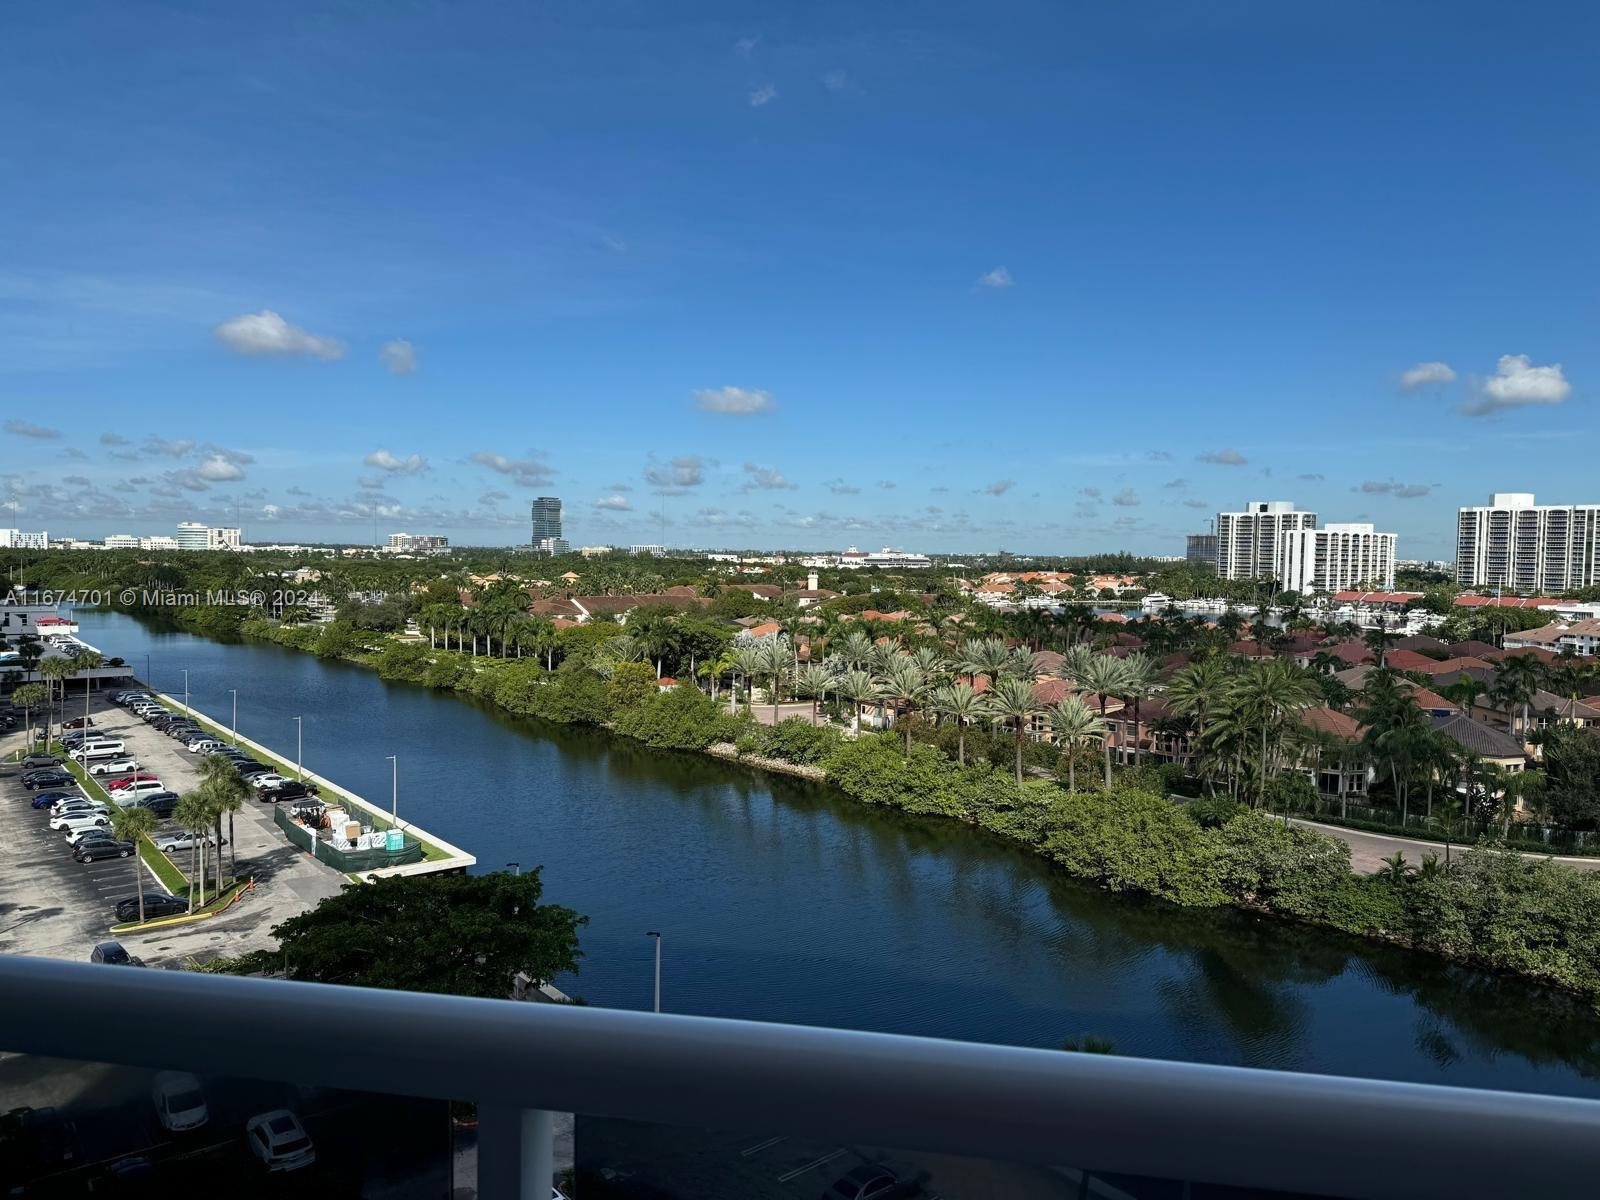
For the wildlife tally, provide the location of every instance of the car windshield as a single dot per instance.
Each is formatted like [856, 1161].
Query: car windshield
[113, 954]
[185, 1100]
[294, 1145]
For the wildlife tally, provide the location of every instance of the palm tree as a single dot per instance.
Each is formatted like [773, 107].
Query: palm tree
[933, 663]
[813, 682]
[1012, 699]
[964, 705]
[28, 697]
[747, 662]
[1514, 685]
[1267, 697]
[858, 687]
[84, 663]
[54, 671]
[1103, 676]
[855, 649]
[193, 813]
[1139, 675]
[1196, 692]
[226, 792]
[132, 824]
[906, 682]
[776, 662]
[1075, 724]
[1379, 640]
[983, 656]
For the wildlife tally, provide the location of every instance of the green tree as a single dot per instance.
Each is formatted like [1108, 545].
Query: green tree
[193, 814]
[1572, 776]
[225, 792]
[133, 823]
[1102, 675]
[1075, 724]
[55, 672]
[29, 697]
[963, 705]
[462, 935]
[907, 683]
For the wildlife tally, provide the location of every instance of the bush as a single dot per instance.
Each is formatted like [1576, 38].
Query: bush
[1134, 841]
[797, 740]
[1285, 867]
[403, 661]
[631, 684]
[875, 771]
[684, 718]
[1213, 812]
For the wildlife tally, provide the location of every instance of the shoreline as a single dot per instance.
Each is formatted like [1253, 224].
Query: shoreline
[726, 752]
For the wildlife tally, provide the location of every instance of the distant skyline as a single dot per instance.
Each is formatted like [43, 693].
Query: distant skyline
[1058, 278]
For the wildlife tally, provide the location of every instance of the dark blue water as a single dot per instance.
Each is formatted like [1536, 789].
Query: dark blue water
[784, 901]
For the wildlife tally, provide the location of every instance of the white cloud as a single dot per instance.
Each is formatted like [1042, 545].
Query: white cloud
[1197, 504]
[385, 461]
[614, 503]
[1126, 498]
[219, 469]
[373, 483]
[1388, 487]
[266, 332]
[746, 44]
[1000, 487]
[734, 401]
[528, 472]
[840, 487]
[763, 95]
[765, 479]
[1426, 374]
[835, 81]
[400, 356]
[24, 429]
[169, 447]
[997, 278]
[113, 439]
[1517, 382]
[1222, 458]
[676, 477]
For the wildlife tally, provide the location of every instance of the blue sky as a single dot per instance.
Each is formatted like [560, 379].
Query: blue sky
[1043, 276]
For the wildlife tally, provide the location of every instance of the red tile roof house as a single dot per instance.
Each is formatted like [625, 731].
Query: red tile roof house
[1448, 669]
[1466, 601]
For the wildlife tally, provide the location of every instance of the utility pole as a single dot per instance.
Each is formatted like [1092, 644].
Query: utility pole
[656, 933]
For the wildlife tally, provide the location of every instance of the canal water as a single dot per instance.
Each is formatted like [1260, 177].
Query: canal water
[783, 901]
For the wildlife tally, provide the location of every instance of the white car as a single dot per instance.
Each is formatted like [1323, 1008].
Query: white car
[278, 1140]
[267, 781]
[184, 841]
[73, 821]
[74, 836]
[77, 804]
[180, 1104]
[205, 745]
[113, 766]
[140, 787]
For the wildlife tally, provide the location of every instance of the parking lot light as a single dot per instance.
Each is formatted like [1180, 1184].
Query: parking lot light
[235, 694]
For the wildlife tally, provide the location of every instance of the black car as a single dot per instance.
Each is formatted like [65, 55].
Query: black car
[293, 790]
[114, 954]
[156, 904]
[160, 803]
[252, 768]
[47, 779]
[93, 849]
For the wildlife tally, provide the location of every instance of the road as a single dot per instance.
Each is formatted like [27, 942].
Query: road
[1368, 850]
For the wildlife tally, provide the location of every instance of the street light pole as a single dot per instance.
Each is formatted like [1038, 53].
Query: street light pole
[394, 790]
[299, 771]
[235, 692]
[186, 692]
[656, 933]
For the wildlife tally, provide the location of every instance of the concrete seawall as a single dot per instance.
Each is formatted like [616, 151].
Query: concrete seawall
[456, 859]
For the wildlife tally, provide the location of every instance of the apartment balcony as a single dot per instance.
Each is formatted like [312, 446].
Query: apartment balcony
[672, 1106]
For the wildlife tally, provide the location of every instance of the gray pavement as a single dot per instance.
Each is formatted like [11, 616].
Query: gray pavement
[53, 907]
[1368, 850]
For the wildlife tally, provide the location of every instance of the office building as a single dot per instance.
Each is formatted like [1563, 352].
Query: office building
[1519, 546]
[546, 519]
[1202, 549]
[192, 535]
[647, 550]
[417, 543]
[1337, 558]
[1250, 543]
[23, 539]
[121, 541]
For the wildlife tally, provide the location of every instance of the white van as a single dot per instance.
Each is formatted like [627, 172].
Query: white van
[99, 748]
[139, 787]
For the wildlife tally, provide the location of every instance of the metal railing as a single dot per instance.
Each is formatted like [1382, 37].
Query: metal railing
[1281, 1131]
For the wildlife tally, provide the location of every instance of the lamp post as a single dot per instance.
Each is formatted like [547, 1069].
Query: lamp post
[514, 867]
[656, 933]
[235, 693]
[394, 790]
[299, 728]
[186, 692]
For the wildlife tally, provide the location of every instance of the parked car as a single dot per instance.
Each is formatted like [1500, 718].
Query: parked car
[160, 803]
[250, 769]
[184, 840]
[279, 1141]
[79, 723]
[292, 790]
[71, 821]
[203, 745]
[51, 799]
[93, 849]
[156, 904]
[76, 837]
[267, 781]
[868, 1182]
[144, 787]
[35, 762]
[116, 785]
[47, 779]
[180, 1104]
[77, 804]
[184, 731]
[113, 766]
[114, 954]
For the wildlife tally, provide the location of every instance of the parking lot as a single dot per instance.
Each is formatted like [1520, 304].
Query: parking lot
[51, 906]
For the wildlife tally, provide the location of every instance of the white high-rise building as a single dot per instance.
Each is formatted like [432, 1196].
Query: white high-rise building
[192, 535]
[1515, 544]
[1337, 558]
[121, 541]
[23, 539]
[1250, 543]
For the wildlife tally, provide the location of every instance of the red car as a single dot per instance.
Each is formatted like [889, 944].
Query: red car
[80, 723]
[123, 782]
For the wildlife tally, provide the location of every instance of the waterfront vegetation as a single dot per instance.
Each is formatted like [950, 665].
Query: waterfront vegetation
[973, 742]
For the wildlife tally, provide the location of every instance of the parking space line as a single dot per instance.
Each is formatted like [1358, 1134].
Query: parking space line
[812, 1166]
[760, 1146]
